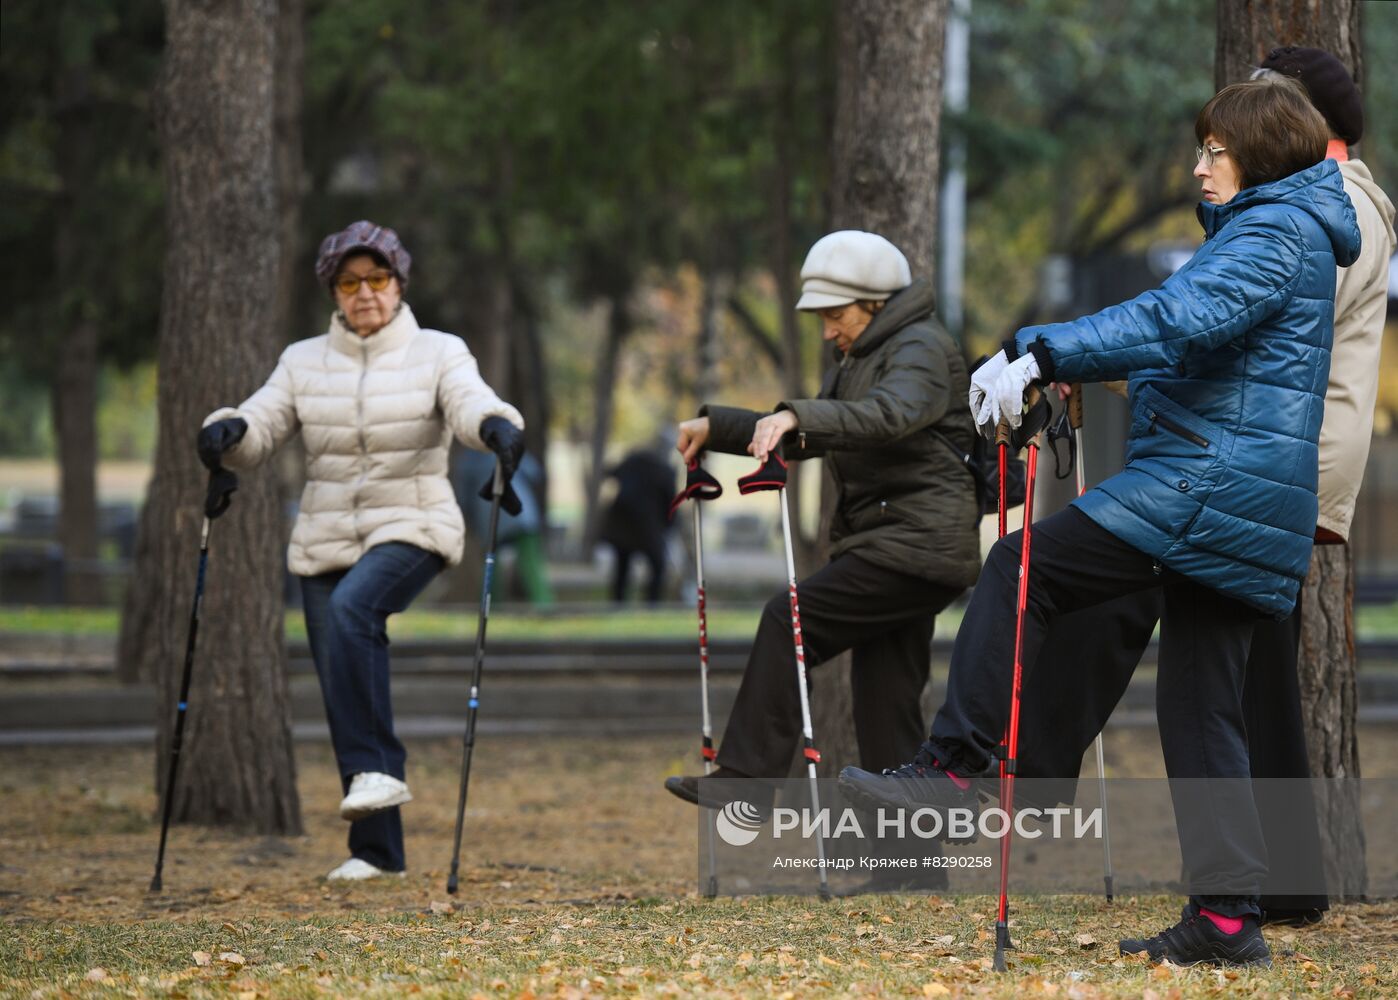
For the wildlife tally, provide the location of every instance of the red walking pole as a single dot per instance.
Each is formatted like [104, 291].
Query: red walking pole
[1011, 743]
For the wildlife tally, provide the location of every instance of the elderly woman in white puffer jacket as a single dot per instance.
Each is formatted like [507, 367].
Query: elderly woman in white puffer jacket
[377, 399]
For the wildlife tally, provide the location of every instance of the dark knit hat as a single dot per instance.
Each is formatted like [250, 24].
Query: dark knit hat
[359, 237]
[1331, 87]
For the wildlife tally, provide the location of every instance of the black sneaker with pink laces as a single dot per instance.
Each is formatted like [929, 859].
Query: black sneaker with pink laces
[922, 784]
[1197, 940]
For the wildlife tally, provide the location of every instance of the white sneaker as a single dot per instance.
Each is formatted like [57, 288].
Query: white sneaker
[371, 792]
[355, 870]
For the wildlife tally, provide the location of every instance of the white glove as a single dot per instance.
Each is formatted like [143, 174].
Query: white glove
[983, 381]
[1006, 401]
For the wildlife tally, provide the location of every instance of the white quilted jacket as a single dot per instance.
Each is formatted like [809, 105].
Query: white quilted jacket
[377, 415]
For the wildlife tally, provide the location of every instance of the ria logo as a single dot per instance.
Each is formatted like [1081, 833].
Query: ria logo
[738, 823]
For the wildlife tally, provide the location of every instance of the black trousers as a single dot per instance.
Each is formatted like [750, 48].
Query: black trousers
[1082, 671]
[886, 618]
[655, 556]
[1205, 636]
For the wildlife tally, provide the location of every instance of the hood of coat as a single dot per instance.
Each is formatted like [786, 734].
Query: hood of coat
[913, 303]
[394, 334]
[1358, 174]
[1318, 190]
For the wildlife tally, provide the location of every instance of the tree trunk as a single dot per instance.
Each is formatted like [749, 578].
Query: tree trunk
[1249, 29]
[888, 110]
[888, 105]
[290, 168]
[1328, 678]
[1327, 666]
[215, 116]
[604, 389]
[74, 397]
[807, 547]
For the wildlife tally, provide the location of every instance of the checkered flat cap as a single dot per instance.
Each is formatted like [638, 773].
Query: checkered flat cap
[358, 237]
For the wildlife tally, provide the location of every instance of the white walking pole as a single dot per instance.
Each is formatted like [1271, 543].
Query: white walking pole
[1075, 421]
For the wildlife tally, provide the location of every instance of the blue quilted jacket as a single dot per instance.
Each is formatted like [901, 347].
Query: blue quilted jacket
[1227, 362]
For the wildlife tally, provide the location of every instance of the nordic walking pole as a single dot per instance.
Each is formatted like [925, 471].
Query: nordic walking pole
[1075, 422]
[1007, 762]
[497, 491]
[222, 484]
[772, 476]
[701, 486]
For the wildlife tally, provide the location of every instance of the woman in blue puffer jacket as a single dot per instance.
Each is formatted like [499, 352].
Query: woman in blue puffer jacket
[1227, 363]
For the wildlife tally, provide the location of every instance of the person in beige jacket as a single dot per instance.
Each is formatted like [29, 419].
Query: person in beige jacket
[377, 400]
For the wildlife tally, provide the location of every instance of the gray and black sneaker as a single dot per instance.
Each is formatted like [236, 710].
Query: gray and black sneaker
[922, 784]
[1197, 940]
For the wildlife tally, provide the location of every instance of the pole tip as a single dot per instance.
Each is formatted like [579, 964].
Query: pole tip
[155, 884]
[451, 885]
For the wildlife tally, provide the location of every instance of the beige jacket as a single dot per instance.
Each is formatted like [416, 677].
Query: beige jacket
[1361, 301]
[376, 415]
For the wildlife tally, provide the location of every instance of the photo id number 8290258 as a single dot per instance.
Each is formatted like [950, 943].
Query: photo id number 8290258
[958, 861]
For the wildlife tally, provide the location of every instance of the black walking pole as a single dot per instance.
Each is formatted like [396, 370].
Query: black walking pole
[497, 490]
[222, 484]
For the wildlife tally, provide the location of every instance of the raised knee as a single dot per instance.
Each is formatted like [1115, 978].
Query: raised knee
[778, 608]
[346, 611]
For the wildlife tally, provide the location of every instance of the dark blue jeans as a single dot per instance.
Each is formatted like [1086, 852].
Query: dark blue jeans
[346, 613]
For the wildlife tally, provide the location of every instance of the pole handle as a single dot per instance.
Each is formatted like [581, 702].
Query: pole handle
[1004, 433]
[1075, 406]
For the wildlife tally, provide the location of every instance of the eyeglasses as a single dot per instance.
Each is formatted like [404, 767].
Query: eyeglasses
[1208, 154]
[348, 284]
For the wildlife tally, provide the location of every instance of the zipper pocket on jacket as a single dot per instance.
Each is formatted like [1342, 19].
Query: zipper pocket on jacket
[1176, 429]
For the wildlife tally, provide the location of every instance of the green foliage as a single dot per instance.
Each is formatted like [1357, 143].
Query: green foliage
[1078, 135]
[80, 195]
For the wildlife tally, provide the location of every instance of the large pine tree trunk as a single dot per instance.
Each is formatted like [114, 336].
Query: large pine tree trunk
[1249, 29]
[1327, 667]
[217, 343]
[888, 107]
[1328, 675]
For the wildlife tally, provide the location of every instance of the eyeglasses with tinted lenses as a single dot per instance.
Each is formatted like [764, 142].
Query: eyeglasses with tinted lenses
[1208, 154]
[348, 284]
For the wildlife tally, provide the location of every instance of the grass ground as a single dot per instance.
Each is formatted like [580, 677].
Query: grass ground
[1371, 621]
[575, 886]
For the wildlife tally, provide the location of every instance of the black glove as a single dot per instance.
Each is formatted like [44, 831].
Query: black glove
[222, 485]
[217, 438]
[507, 441]
[510, 502]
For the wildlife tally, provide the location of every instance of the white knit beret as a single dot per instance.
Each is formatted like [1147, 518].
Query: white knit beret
[851, 266]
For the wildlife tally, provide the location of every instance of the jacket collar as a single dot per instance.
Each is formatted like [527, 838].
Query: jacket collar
[913, 303]
[398, 332]
[1317, 190]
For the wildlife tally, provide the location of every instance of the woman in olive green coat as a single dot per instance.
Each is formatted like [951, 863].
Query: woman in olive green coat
[889, 421]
